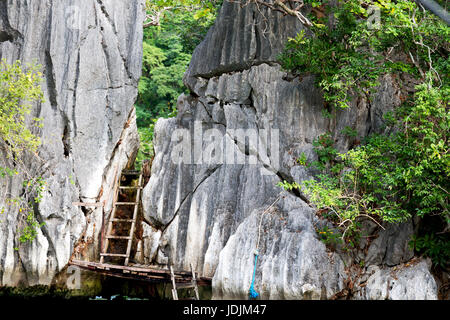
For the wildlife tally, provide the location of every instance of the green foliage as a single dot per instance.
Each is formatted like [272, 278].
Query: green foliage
[29, 231]
[164, 63]
[302, 160]
[33, 193]
[288, 186]
[167, 50]
[146, 147]
[437, 247]
[329, 236]
[4, 172]
[390, 177]
[350, 132]
[324, 147]
[19, 88]
[348, 57]
[198, 8]
[393, 177]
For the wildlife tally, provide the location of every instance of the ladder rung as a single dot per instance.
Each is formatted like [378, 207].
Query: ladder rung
[121, 220]
[88, 204]
[113, 254]
[130, 188]
[185, 286]
[118, 237]
[131, 172]
[126, 203]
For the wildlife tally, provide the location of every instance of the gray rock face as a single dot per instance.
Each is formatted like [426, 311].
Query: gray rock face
[392, 246]
[235, 137]
[262, 37]
[90, 52]
[291, 264]
[408, 283]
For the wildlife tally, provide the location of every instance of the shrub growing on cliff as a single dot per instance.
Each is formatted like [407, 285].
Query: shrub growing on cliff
[349, 55]
[393, 177]
[390, 177]
[19, 88]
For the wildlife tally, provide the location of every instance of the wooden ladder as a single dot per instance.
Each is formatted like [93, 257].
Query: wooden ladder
[113, 219]
[192, 285]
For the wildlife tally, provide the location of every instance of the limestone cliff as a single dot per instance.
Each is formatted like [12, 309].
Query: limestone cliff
[208, 201]
[90, 52]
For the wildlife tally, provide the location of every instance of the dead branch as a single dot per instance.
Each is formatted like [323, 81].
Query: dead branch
[154, 18]
[281, 6]
[295, 13]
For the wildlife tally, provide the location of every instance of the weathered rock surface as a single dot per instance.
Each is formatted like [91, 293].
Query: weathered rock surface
[292, 264]
[391, 247]
[205, 207]
[90, 52]
[408, 283]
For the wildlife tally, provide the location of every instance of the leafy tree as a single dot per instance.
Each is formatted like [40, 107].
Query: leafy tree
[19, 88]
[349, 55]
[157, 9]
[167, 50]
[395, 176]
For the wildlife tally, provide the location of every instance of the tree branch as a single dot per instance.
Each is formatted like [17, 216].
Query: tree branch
[154, 19]
[295, 13]
[280, 6]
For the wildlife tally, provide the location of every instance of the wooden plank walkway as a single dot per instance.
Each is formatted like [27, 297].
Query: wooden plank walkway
[109, 252]
[142, 273]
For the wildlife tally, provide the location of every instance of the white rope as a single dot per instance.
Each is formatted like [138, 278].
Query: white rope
[260, 222]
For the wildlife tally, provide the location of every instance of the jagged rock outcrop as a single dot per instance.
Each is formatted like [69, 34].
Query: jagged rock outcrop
[238, 134]
[90, 52]
[407, 282]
